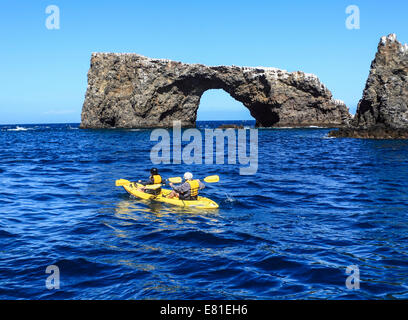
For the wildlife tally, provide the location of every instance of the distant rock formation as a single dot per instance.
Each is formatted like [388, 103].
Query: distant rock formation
[132, 91]
[383, 110]
[230, 126]
[374, 132]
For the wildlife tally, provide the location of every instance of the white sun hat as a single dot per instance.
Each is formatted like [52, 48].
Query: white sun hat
[188, 176]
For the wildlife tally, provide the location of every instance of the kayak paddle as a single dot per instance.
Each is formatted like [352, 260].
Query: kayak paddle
[122, 182]
[153, 186]
[212, 179]
[175, 180]
[209, 179]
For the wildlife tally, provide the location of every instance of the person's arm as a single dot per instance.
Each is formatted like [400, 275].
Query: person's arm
[147, 182]
[200, 185]
[183, 188]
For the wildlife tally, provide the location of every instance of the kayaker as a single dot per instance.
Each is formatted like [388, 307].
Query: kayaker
[155, 178]
[188, 190]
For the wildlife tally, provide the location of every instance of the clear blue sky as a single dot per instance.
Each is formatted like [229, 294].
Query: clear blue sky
[44, 72]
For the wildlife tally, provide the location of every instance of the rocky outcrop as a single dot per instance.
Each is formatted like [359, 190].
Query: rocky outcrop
[230, 126]
[132, 91]
[374, 132]
[383, 110]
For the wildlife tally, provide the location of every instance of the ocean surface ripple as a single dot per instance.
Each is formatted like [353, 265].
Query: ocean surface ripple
[315, 207]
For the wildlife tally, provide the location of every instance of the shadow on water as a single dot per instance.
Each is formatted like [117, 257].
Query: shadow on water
[133, 208]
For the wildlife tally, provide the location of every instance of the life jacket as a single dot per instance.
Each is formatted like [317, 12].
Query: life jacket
[157, 179]
[194, 186]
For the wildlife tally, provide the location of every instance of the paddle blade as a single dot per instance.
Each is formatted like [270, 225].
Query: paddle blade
[122, 182]
[175, 180]
[211, 179]
[153, 186]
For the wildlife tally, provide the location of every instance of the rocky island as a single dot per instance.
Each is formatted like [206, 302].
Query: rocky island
[382, 113]
[133, 91]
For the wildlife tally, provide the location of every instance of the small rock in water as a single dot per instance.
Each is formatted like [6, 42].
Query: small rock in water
[231, 126]
[375, 132]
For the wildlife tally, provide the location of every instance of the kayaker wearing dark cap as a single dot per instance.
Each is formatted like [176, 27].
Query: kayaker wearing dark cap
[154, 178]
[188, 190]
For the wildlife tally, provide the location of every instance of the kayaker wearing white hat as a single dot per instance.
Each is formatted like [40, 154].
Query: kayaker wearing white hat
[188, 190]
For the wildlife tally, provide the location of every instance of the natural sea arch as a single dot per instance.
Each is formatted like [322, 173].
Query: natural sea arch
[216, 104]
[132, 91]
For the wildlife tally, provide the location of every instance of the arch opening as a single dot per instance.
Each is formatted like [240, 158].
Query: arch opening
[218, 105]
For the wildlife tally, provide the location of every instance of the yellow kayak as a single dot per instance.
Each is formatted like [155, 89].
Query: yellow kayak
[200, 203]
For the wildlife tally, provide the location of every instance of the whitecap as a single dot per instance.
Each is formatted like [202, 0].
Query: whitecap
[282, 128]
[18, 129]
[229, 198]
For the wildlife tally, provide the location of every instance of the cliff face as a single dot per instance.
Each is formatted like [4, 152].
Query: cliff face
[383, 110]
[385, 97]
[132, 91]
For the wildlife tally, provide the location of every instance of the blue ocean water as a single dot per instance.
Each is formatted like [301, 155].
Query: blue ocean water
[316, 206]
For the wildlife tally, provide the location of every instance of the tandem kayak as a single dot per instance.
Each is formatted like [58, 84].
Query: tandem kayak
[200, 203]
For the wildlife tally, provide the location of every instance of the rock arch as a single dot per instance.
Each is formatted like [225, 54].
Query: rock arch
[132, 91]
[217, 104]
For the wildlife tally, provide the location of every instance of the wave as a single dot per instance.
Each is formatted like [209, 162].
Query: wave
[17, 128]
[229, 198]
[39, 127]
[288, 232]
[5, 234]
